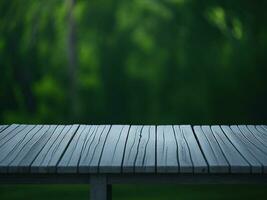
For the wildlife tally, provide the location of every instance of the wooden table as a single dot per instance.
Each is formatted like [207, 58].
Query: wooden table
[102, 155]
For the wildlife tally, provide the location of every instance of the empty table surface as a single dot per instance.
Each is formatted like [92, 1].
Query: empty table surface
[132, 149]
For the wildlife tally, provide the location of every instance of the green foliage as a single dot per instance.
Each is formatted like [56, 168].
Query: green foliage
[138, 62]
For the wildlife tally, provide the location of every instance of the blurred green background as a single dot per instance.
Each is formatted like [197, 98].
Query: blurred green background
[140, 192]
[137, 62]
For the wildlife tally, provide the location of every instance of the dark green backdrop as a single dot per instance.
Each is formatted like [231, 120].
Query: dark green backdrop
[138, 61]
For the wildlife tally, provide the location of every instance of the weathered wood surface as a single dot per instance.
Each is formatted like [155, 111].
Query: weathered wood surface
[190, 156]
[167, 160]
[113, 150]
[117, 149]
[211, 149]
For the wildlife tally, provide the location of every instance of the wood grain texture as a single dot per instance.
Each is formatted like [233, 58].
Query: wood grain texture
[31, 149]
[11, 147]
[237, 162]
[69, 161]
[259, 132]
[212, 151]
[112, 156]
[264, 127]
[136, 149]
[184, 157]
[254, 136]
[248, 149]
[167, 150]
[93, 148]
[25, 146]
[48, 158]
[243, 148]
[131, 148]
[145, 160]
[191, 159]
[3, 127]
[10, 132]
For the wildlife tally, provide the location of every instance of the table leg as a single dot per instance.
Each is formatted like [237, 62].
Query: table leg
[100, 190]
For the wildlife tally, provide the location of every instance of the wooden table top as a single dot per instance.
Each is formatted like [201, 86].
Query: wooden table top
[133, 149]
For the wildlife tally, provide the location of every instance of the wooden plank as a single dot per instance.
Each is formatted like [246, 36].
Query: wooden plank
[70, 159]
[145, 161]
[29, 152]
[10, 132]
[184, 157]
[251, 152]
[259, 132]
[24, 148]
[212, 151]
[237, 163]
[10, 141]
[254, 136]
[35, 166]
[131, 148]
[243, 148]
[93, 148]
[3, 127]
[48, 158]
[190, 156]
[264, 127]
[167, 160]
[112, 157]
[11, 149]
